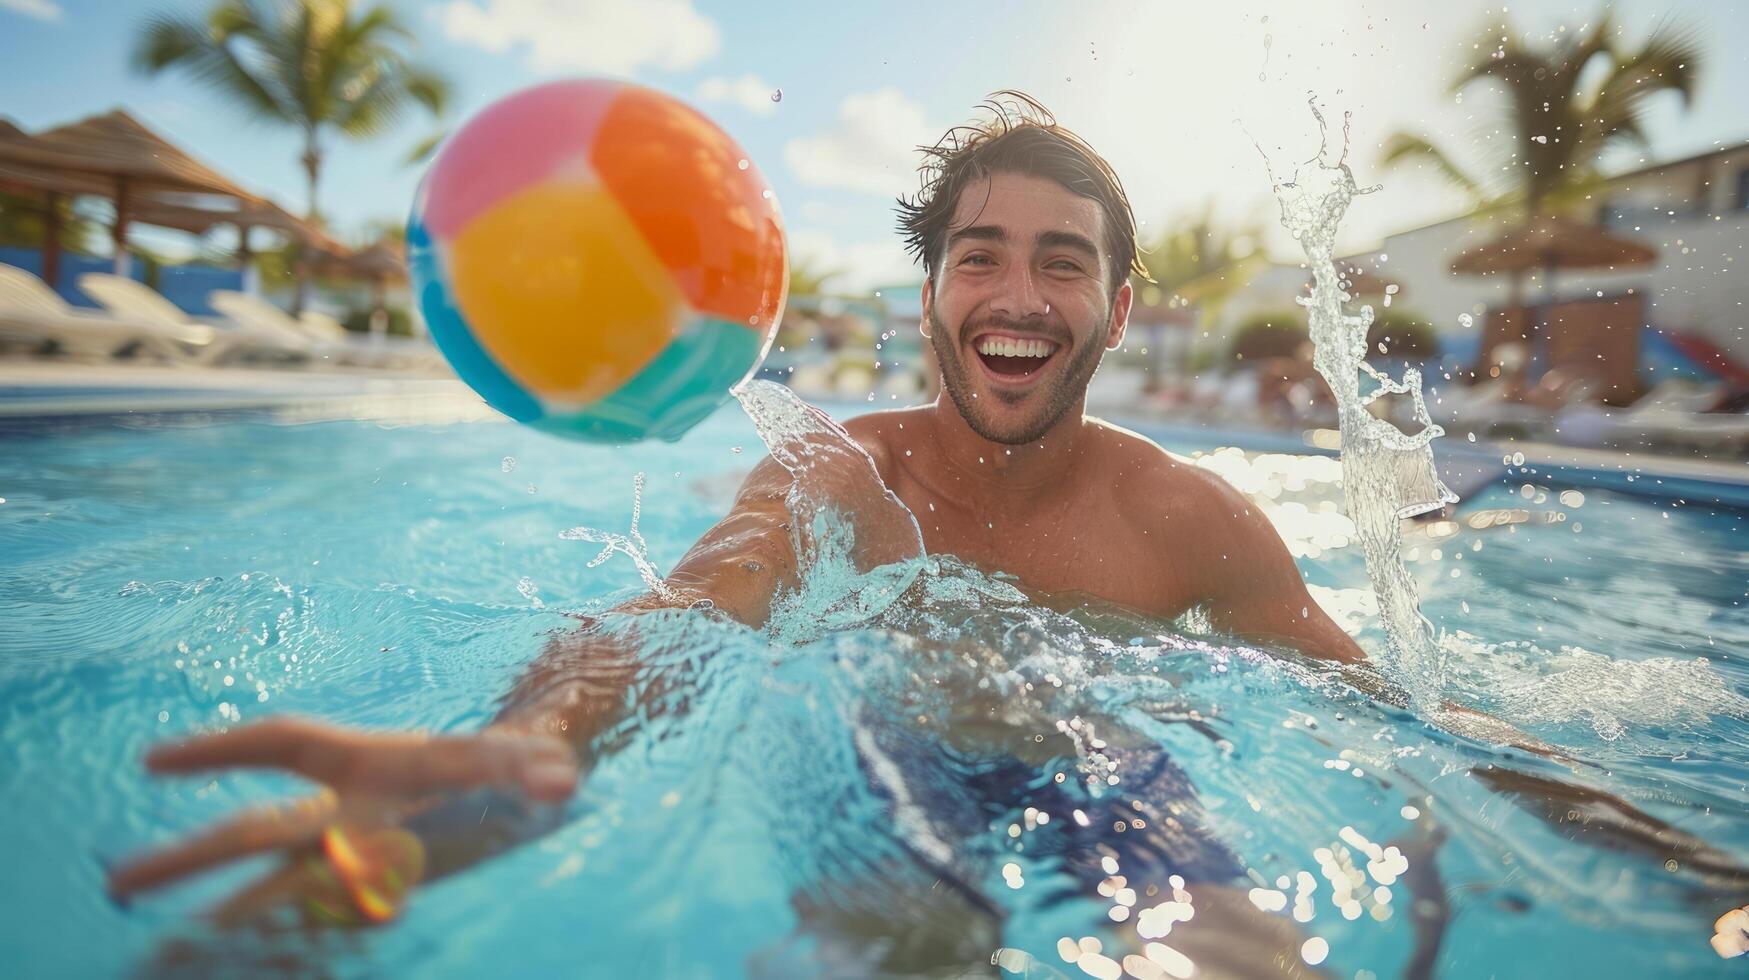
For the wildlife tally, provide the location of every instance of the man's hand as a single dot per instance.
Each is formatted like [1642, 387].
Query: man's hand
[372, 780]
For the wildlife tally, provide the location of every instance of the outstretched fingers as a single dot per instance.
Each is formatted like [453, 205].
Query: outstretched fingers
[388, 764]
[251, 832]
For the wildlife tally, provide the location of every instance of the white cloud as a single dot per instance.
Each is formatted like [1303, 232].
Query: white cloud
[872, 149]
[614, 37]
[35, 9]
[750, 92]
[861, 265]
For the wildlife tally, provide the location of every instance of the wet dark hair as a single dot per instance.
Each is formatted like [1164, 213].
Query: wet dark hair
[1020, 137]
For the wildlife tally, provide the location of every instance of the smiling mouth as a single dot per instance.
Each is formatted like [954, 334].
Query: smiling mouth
[1014, 359]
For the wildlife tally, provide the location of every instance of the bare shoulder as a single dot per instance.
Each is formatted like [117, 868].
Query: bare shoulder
[878, 432]
[1166, 485]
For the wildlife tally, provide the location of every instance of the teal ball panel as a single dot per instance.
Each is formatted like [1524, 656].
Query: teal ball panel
[687, 381]
[448, 329]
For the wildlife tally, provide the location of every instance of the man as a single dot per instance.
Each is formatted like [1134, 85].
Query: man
[1029, 244]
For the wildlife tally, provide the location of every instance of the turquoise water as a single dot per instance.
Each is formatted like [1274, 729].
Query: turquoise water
[399, 576]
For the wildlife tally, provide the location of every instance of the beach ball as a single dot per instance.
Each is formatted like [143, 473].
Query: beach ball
[598, 260]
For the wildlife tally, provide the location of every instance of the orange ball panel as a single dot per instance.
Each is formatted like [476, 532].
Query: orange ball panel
[561, 289]
[680, 180]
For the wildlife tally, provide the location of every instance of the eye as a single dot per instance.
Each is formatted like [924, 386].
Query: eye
[978, 257]
[1064, 265]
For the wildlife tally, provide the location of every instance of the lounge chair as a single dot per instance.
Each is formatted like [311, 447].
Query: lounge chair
[136, 300]
[326, 338]
[323, 339]
[389, 350]
[1670, 416]
[33, 313]
[403, 352]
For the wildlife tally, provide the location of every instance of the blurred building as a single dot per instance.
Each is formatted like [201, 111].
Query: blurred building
[1693, 213]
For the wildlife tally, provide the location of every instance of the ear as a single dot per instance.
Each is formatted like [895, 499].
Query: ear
[928, 305]
[1120, 315]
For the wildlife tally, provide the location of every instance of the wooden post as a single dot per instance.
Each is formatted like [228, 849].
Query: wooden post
[118, 232]
[52, 240]
[245, 255]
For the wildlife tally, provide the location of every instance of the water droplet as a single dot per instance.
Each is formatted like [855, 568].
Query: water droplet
[1466, 321]
[777, 95]
[735, 449]
[507, 464]
[742, 163]
[530, 591]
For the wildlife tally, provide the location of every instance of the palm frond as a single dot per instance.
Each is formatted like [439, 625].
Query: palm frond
[423, 150]
[1613, 113]
[207, 55]
[427, 88]
[1403, 148]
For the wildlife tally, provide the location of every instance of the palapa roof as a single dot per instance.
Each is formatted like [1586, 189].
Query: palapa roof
[167, 187]
[1548, 242]
[113, 147]
[198, 214]
[381, 260]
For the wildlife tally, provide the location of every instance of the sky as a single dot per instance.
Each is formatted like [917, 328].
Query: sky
[1179, 97]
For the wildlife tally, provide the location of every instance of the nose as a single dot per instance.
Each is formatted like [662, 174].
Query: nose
[1019, 296]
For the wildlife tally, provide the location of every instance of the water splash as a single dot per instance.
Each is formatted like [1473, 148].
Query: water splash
[531, 592]
[857, 546]
[1387, 474]
[631, 544]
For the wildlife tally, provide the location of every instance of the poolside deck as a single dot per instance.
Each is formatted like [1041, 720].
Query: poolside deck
[49, 390]
[31, 392]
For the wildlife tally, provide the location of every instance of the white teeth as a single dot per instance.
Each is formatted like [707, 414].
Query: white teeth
[1004, 347]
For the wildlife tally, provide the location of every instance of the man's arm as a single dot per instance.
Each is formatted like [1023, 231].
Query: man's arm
[536, 748]
[573, 690]
[1253, 586]
[1256, 592]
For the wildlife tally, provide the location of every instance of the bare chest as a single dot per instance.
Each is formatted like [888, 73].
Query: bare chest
[1086, 546]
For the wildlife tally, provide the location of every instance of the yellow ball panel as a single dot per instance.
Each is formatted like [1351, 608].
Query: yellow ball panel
[558, 286]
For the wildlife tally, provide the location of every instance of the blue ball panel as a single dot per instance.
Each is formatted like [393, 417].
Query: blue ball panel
[684, 384]
[450, 331]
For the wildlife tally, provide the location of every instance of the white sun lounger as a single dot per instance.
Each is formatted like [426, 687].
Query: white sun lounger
[326, 338]
[321, 342]
[405, 352]
[1670, 416]
[32, 312]
[136, 300]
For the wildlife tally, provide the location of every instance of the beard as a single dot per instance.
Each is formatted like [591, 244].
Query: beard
[1061, 394]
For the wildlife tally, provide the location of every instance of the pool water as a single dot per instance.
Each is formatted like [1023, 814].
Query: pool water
[780, 808]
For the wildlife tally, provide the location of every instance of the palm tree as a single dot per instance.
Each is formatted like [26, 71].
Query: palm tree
[1557, 130]
[807, 277]
[1195, 263]
[312, 64]
[1195, 248]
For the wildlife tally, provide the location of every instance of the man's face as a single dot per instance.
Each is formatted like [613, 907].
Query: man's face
[1020, 310]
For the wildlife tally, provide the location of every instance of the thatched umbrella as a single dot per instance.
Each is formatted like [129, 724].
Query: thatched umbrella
[47, 187]
[379, 264]
[200, 213]
[1548, 243]
[113, 155]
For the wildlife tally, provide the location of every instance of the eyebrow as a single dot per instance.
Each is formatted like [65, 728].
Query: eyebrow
[1069, 239]
[996, 233]
[984, 233]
